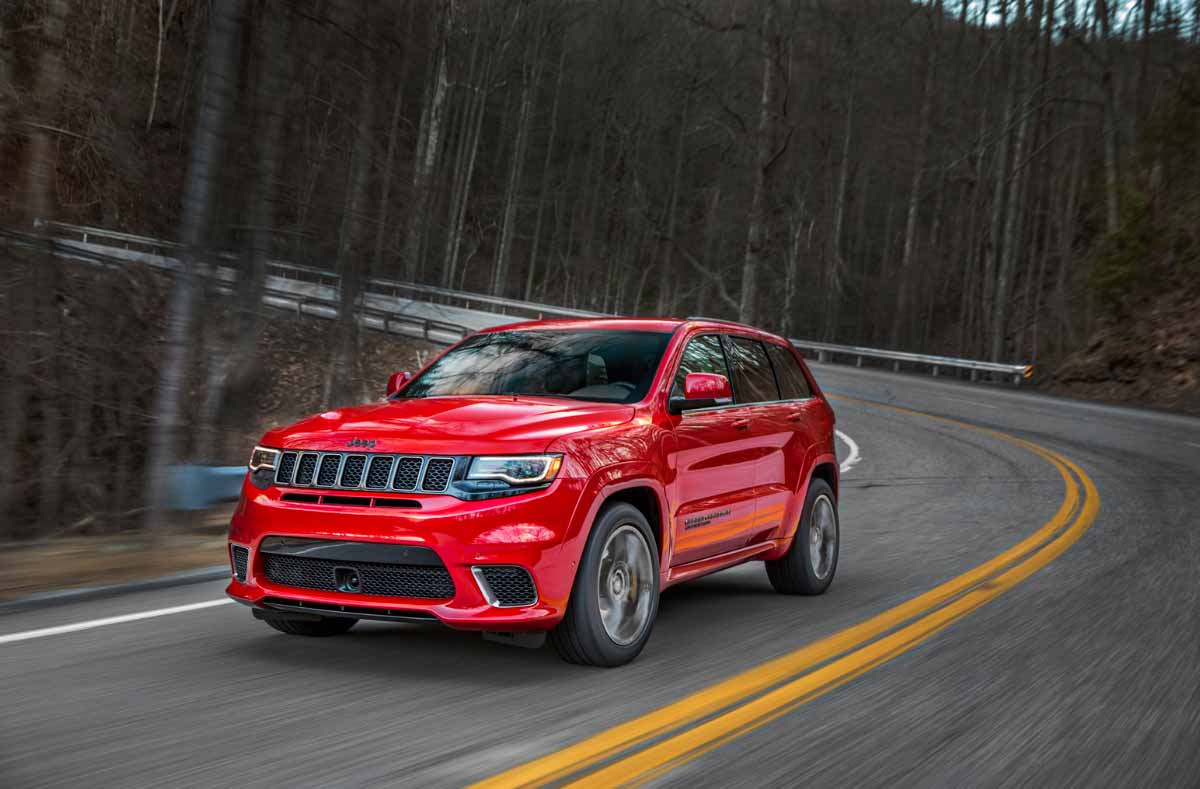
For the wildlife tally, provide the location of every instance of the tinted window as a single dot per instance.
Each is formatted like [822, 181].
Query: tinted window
[702, 355]
[608, 366]
[792, 383]
[753, 379]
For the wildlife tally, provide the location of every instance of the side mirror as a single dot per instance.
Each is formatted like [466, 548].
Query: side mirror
[397, 381]
[702, 390]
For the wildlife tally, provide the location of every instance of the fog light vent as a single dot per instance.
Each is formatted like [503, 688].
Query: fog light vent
[505, 586]
[240, 556]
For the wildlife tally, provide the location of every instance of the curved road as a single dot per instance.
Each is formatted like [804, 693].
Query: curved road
[1073, 659]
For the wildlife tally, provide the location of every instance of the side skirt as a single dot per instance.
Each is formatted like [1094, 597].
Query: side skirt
[685, 572]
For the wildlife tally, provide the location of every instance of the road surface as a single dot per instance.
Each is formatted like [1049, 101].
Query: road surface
[1079, 664]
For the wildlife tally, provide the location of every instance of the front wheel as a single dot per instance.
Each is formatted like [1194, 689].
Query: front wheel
[809, 565]
[615, 598]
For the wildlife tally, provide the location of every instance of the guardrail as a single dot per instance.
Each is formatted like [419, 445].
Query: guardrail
[828, 351]
[465, 299]
[389, 321]
[498, 304]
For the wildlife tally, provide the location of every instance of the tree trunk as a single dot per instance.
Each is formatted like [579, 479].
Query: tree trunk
[665, 300]
[530, 79]
[1112, 143]
[914, 195]
[36, 317]
[272, 106]
[428, 147]
[390, 158]
[756, 235]
[836, 265]
[473, 125]
[531, 268]
[339, 387]
[1019, 178]
[220, 83]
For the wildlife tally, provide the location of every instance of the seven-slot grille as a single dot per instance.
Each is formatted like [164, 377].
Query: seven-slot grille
[428, 582]
[346, 471]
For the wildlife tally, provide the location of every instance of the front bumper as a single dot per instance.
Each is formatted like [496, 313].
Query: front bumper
[526, 531]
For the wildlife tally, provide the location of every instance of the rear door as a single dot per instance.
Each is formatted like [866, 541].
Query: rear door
[715, 465]
[798, 414]
[768, 431]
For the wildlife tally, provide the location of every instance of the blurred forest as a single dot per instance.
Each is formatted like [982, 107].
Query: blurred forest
[1014, 180]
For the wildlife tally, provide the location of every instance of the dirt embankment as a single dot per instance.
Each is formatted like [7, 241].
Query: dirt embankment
[1150, 357]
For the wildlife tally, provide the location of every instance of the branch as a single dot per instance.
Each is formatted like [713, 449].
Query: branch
[716, 278]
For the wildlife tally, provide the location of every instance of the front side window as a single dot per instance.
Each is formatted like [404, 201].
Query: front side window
[601, 365]
[792, 383]
[703, 354]
[753, 378]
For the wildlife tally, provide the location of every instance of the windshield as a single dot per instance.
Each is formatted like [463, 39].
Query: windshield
[605, 366]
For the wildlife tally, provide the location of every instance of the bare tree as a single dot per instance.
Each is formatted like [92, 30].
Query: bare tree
[208, 142]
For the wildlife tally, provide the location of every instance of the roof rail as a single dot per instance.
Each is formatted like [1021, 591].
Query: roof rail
[717, 320]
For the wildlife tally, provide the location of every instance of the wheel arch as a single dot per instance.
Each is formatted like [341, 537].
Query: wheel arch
[827, 470]
[645, 499]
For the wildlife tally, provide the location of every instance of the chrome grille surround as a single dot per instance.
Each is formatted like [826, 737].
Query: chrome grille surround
[359, 471]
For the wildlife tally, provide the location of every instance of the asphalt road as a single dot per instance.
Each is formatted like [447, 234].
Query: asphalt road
[1085, 673]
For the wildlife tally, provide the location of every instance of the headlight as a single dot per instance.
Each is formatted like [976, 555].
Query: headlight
[263, 457]
[516, 469]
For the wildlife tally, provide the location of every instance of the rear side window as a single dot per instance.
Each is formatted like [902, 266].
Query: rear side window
[753, 379]
[703, 354]
[792, 383]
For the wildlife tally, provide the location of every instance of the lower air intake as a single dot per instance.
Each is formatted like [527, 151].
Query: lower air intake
[240, 557]
[506, 586]
[373, 578]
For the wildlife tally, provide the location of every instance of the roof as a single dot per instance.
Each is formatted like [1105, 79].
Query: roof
[633, 324]
[628, 324]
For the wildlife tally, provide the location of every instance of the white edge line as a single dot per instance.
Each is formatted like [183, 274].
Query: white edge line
[851, 459]
[111, 620]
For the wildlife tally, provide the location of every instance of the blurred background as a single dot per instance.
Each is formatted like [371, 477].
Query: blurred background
[1005, 180]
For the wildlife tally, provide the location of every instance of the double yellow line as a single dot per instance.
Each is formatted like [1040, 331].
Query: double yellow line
[692, 726]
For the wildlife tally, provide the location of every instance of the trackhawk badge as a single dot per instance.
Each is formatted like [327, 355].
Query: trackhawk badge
[368, 443]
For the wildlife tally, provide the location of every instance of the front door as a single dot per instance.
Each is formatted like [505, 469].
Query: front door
[715, 464]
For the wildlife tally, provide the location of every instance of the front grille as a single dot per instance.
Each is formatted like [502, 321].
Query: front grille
[327, 473]
[409, 473]
[287, 467]
[510, 586]
[388, 580]
[437, 474]
[306, 468]
[352, 473]
[240, 555]
[380, 470]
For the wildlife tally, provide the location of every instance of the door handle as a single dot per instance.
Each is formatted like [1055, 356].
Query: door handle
[741, 424]
[796, 416]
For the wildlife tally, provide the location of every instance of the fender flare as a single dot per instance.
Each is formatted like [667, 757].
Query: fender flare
[598, 491]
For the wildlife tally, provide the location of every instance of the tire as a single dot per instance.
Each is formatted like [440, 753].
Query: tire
[325, 626]
[794, 572]
[622, 548]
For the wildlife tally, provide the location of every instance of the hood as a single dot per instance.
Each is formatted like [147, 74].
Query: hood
[448, 425]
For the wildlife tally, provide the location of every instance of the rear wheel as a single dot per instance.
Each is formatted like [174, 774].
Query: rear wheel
[325, 626]
[809, 565]
[615, 598]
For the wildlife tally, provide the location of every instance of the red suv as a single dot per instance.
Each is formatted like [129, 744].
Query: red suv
[552, 476]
